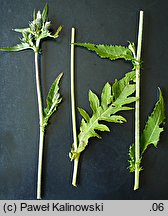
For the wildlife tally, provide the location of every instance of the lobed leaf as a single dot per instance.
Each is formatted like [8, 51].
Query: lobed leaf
[104, 110]
[109, 51]
[122, 90]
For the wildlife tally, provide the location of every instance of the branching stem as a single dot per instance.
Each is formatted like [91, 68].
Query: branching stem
[137, 104]
[73, 108]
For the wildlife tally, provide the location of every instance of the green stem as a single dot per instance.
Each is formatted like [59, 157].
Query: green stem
[41, 138]
[75, 171]
[73, 108]
[137, 104]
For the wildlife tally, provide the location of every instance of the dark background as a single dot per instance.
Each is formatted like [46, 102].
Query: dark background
[103, 166]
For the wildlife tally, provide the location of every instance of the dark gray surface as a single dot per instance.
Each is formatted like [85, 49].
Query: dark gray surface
[103, 173]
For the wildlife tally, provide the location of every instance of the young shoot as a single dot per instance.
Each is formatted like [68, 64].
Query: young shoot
[32, 36]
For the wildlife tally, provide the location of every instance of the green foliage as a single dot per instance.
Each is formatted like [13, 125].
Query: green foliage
[109, 51]
[52, 101]
[18, 47]
[151, 132]
[38, 29]
[112, 101]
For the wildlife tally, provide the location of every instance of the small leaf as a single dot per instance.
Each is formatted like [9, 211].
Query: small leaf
[18, 47]
[53, 99]
[109, 51]
[34, 14]
[22, 30]
[154, 125]
[132, 158]
[57, 32]
[131, 46]
[94, 101]
[54, 90]
[45, 13]
[84, 114]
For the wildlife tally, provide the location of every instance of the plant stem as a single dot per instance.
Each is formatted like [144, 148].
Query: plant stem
[75, 171]
[137, 104]
[76, 160]
[41, 138]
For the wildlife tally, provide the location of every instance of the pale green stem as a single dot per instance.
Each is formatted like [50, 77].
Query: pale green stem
[41, 137]
[73, 108]
[137, 104]
[75, 171]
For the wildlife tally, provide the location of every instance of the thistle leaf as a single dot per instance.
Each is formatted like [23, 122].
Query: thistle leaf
[53, 100]
[151, 132]
[109, 51]
[18, 47]
[104, 110]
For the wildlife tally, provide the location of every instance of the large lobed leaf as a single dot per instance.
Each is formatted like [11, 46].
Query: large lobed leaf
[151, 132]
[109, 51]
[112, 101]
[53, 100]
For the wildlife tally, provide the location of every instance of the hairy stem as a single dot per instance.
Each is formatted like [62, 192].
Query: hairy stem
[41, 138]
[73, 108]
[137, 104]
